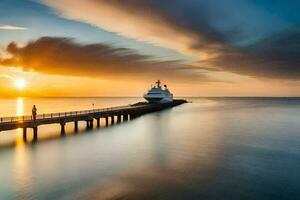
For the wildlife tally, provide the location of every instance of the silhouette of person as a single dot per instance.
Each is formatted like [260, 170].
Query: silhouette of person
[34, 110]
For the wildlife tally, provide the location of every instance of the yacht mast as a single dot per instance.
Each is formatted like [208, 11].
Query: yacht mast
[158, 83]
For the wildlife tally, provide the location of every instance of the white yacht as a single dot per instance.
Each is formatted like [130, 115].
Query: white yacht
[157, 94]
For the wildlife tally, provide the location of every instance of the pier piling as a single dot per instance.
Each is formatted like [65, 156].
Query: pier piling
[106, 121]
[35, 133]
[25, 134]
[112, 119]
[76, 126]
[125, 117]
[62, 131]
[98, 122]
[119, 118]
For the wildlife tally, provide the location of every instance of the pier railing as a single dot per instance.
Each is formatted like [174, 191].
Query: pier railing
[58, 115]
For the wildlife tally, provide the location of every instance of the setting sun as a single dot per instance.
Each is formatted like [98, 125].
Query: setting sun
[20, 84]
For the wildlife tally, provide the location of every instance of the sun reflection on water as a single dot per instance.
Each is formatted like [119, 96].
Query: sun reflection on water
[21, 168]
[19, 112]
[20, 107]
[22, 176]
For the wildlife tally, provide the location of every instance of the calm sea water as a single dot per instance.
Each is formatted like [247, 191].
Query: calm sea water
[215, 148]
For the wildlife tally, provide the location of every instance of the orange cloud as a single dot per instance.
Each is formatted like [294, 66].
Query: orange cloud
[63, 56]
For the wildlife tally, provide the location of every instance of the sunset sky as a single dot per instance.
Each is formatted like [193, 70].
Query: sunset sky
[119, 47]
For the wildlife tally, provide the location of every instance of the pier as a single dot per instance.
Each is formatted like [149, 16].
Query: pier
[110, 115]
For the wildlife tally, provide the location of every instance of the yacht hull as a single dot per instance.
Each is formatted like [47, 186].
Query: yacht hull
[158, 99]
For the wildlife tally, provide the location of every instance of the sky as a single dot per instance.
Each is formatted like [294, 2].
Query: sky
[120, 47]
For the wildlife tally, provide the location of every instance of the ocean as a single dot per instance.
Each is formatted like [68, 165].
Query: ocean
[211, 148]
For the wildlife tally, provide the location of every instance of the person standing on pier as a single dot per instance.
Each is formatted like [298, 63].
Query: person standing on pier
[34, 110]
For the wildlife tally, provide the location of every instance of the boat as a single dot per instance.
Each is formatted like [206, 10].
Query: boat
[159, 94]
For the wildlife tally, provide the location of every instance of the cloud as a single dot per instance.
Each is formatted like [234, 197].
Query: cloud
[5, 76]
[153, 21]
[12, 28]
[63, 56]
[273, 57]
[247, 43]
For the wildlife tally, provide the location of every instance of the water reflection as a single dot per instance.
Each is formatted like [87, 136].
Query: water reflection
[22, 172]
[19, 112]
[20, 106]
[158, 124]
[204, 150]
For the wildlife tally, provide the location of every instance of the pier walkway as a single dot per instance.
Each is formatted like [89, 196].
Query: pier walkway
[111, 115]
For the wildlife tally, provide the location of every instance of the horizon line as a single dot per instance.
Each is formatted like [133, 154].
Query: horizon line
[9, 97]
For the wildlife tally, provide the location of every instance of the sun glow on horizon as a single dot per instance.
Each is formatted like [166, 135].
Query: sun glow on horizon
[20, 84]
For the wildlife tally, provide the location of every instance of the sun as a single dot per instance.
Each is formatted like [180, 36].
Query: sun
[20, 84]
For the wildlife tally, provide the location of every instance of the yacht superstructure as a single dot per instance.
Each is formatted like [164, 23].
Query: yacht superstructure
[159, 94]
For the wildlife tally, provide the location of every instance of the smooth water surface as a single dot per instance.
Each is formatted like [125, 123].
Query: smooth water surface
[212, 148]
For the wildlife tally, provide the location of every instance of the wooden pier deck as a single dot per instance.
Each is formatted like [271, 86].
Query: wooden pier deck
[113, 115]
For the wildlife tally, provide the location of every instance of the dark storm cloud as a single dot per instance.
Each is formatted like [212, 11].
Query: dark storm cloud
[211, 24]
[274, 57]
[63, 56]
[191, 17]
